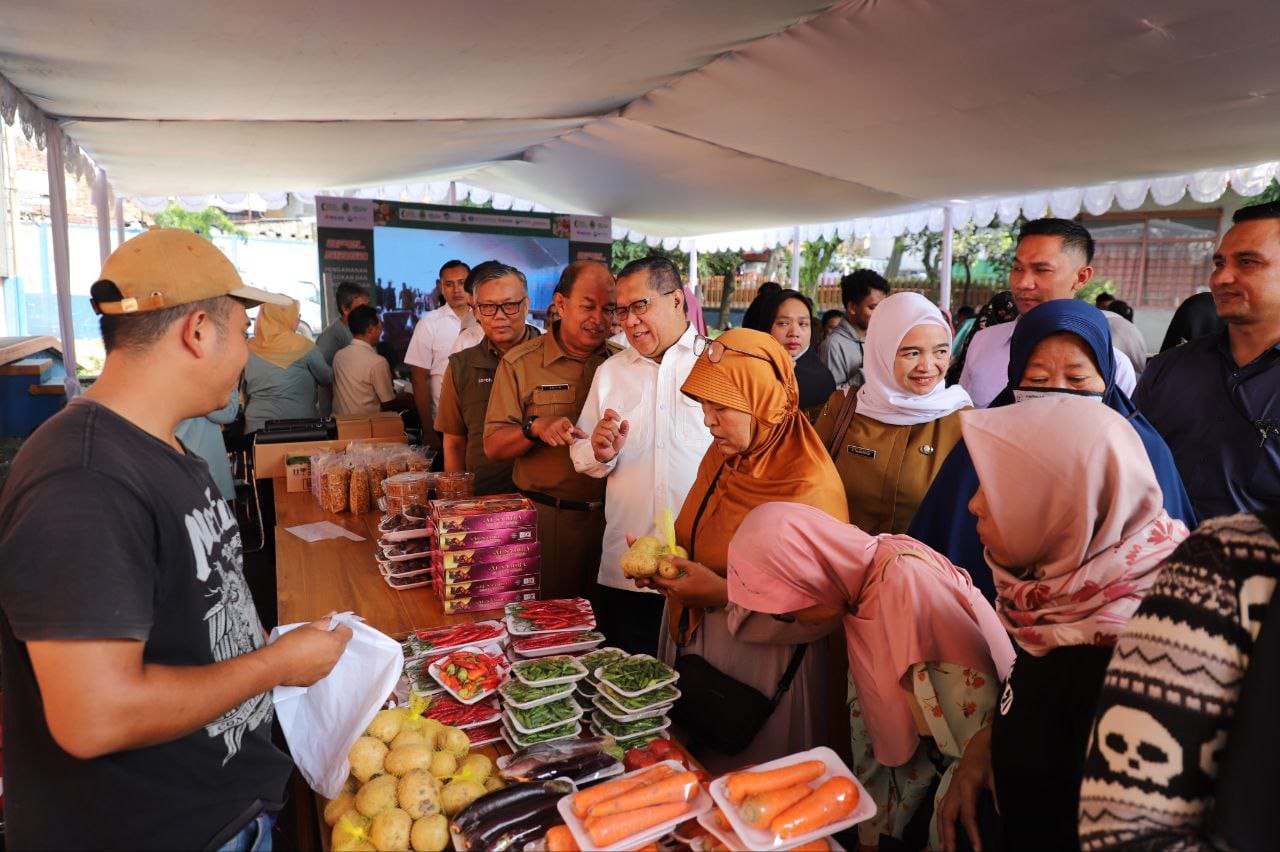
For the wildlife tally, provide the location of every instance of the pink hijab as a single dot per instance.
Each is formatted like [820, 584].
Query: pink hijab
[1073, 495]
[905, 605]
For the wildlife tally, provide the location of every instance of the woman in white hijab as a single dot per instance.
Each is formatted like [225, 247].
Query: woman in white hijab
[889, 439]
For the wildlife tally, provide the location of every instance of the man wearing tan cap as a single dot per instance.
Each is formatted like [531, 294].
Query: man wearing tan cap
[134, 665]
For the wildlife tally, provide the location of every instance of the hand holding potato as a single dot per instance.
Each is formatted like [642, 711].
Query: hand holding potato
[696, 584]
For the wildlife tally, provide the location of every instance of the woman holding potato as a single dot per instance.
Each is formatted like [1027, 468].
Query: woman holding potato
[926, 651]
[763, 450]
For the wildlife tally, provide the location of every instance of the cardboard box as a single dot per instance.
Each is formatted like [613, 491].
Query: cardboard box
[488, 588]
[384, 424]
[297, 473]
[500, 511]
[487, 538]
[469, 573]
[269, 459]
[457, 605]
[487, 555]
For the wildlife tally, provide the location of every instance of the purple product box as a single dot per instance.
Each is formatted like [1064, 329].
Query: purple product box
[471, 573]
[488, 588]
[453, 607]
[487, 555]
[501, 511]
[487, 538]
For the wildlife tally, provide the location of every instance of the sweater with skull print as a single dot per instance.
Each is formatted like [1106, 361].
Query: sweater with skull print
[1171, 690]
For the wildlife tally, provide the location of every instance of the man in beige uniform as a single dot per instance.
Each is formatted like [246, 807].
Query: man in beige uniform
[538, 393]
[500, 296]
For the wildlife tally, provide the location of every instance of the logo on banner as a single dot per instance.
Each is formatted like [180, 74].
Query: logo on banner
[334, 212]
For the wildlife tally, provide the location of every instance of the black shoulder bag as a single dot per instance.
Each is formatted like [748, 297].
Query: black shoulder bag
[722, 712]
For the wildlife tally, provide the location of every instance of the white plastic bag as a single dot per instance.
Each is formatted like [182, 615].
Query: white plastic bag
[322, 721]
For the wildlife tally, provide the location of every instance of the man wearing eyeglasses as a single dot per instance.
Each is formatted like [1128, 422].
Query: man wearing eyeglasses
[647, 439]
[538, 393]
[500, 299]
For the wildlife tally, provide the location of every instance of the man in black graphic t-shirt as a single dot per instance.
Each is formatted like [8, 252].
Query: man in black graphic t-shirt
[137, 681]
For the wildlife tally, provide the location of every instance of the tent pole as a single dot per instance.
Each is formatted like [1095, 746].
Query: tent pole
[61, 250]
[796, 248]
[102, 205]
[944, 285]
[119, 221]
[693, 269]
[452, 198]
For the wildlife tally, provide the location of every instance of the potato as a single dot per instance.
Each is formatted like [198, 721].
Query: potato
[376, 796]
[430, 834]
[454, 741]
[493, 782]
[413, 756]
[413, 737]
[443, 764]
[418, 793]
[390, 831]
[366, 758]
[353, 784]
[337, 807]
[456, 795]
[476, 767]
[351, 828]
[387, 723]
[641, 559]
[665, 568]
[354, 846]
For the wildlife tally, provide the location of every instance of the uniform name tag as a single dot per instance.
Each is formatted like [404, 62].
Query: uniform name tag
[865, 452]
[485, 380]
[553, 387]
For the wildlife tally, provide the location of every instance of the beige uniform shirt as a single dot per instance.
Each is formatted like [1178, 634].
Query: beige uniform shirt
[361, 380]
[538, 379]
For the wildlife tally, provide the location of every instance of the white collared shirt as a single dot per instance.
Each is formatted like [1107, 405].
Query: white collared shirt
[432, 341]
[986, 367]
[666, 441]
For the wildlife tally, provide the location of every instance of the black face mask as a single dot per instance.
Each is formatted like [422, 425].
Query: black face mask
[1023, 394]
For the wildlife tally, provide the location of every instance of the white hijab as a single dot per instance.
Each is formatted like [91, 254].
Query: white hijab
[881, 398]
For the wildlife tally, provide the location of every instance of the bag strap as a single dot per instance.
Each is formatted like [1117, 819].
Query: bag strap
[843, 419]
[702, 507]
[793, 669]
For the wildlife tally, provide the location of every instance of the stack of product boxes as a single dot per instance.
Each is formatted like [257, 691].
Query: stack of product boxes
[487, 553]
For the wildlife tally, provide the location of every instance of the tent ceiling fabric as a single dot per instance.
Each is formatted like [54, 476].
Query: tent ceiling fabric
[676, 117]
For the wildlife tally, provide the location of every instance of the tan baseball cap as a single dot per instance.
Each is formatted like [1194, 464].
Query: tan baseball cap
[167, 267]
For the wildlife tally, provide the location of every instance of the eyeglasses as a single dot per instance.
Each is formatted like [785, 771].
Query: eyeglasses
[488, 309]
[638, 307]
[714, 350]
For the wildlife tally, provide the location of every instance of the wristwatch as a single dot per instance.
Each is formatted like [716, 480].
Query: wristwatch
[526, 428]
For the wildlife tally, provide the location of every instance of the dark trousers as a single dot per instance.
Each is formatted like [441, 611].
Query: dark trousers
[629, 620]
[570, 542]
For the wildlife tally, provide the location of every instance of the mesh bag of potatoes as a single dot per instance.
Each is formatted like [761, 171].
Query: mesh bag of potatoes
[651, 555]
[408, 776]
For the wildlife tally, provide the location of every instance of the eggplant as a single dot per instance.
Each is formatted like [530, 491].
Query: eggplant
[527, 759]
[575, 768]
[526, 832]
[482, 808]
[486, 835]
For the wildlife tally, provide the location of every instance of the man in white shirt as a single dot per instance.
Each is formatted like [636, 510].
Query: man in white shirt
[646, 437]
[361, 377]
[433, 337]
[1052, 262]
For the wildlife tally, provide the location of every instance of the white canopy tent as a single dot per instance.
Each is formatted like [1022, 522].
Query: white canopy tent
[707, 124]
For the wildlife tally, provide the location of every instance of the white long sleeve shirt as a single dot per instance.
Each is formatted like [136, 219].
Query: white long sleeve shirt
[432, 342]
[666, 440]
[986, 367]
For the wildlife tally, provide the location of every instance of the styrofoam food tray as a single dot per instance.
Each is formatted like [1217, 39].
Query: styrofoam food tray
[497, 716]
[621, 709]
[406, 535]
[513, 739]
[675, 676]
[699, 804]
[588, 622]
[583, 658]
[499, 640]
[514, 724]
[609, 709]
[663, 724]
[537, 702]
[555, 681]
[434, 671]
[755, 838]
[572, 648]
[405, 557]
[494, 738]
[400, 587]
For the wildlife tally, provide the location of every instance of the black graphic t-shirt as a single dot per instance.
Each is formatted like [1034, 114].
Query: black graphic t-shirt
[108, 533]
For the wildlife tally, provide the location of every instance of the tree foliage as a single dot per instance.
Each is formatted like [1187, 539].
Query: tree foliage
[202, 222]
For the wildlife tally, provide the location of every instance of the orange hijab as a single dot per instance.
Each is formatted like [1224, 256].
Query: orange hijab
[786, 462]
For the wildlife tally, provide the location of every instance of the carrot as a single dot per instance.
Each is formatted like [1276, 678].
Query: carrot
[614, 828]
[743, 784]
[677, 788]
[834, 800]
[560, 839]
[583, 802]
[818, 844]
[760, 809]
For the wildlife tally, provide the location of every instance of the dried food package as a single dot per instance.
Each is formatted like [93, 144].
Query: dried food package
[360, 498]
[336, 485]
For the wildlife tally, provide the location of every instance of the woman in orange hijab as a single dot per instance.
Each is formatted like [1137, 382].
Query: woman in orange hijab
[763, 450]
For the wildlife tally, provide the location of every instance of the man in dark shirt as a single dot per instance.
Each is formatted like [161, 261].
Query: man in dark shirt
[137, 708]
[1216, 399]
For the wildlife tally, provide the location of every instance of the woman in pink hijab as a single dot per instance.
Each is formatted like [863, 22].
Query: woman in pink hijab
[925, 649]
[1073, 525]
